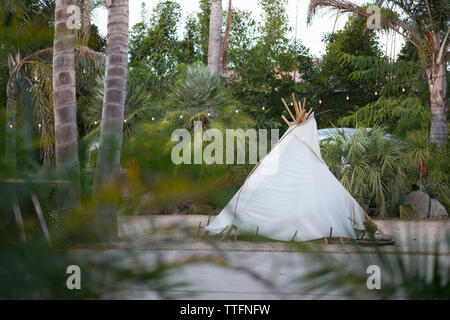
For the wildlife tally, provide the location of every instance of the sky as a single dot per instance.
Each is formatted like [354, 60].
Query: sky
[310, 35]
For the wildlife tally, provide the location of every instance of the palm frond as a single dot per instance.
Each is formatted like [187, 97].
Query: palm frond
[388, 18]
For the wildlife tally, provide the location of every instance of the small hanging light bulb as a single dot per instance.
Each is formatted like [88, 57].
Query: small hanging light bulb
[292, 103]
[39, 125]
[181, 116]
[153, 118]
[376, 93]
[95, 122]
[10, 125]
[263, 108]
[237, 111]
[348, 98]
[403, 89]
[124, 120]
[320, 101]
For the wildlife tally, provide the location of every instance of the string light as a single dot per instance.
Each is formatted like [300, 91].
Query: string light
[263, 108]
[376, 93]
[39, 125]
[153, 118]
[95, 122]
[237, 111]
[124, 120]
[320, 101]
[181, 116]
[377, 84]
[10, 125]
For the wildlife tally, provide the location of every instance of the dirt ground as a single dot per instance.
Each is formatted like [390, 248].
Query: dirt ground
[182, 232]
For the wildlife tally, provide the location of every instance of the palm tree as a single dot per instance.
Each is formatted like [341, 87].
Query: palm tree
[108, 160]
[37, 69]
[425, 26]
[23, 31]
[65, 107]
[215, 36]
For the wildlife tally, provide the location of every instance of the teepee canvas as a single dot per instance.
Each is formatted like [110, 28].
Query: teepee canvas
[291, 194]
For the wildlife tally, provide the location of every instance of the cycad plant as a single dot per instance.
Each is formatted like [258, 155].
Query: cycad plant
[370, 164]
[200, 95]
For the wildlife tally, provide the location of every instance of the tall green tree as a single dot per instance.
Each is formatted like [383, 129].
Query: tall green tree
[154, 47]
[424, 23]
[189, 51]
[264, 58]
[334, 82]
[203, 18]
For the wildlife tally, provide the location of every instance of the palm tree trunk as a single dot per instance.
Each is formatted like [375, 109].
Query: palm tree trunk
[215, 36]
[108, 160]
[437, 82]
[65, 109]
[225, 41]
[87, 7]
[11, 111]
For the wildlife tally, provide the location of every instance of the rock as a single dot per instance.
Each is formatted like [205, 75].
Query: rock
[426, 208]
[421, 202]
[437, 210]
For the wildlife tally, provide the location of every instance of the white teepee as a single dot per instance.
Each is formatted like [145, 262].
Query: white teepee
[291, 194]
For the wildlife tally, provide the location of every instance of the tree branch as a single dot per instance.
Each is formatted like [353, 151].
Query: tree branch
[443, 48]
[347, 6]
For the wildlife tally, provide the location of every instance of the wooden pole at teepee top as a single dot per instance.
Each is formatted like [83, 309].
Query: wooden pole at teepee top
[285, 120]
[289, 110]
[300, 112]
[297, 111]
